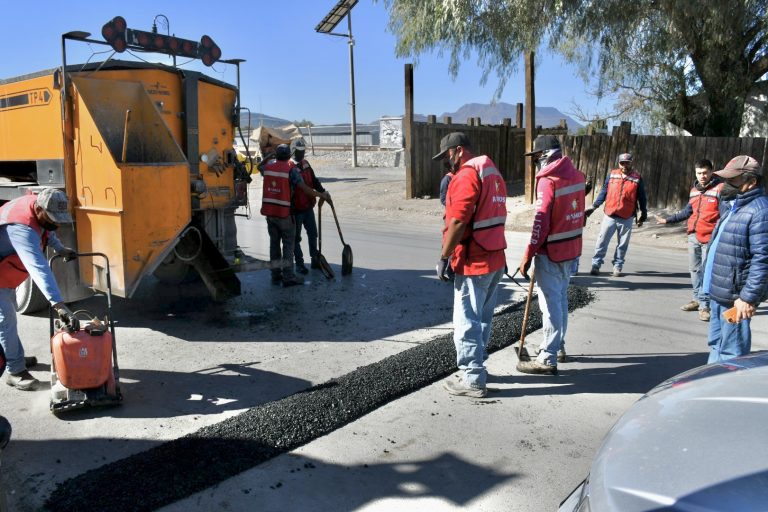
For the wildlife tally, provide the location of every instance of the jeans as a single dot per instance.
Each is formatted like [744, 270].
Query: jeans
[474, 299]
[282, 231]
[697, 258]
[552, 287]
[623, 230]
[305, 218]
[726, 340]
[9, 334]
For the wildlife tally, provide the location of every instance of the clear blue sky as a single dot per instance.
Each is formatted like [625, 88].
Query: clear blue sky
[291, 71]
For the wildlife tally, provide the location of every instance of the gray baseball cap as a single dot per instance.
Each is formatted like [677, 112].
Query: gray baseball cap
[742, 164]
[452, 140]
[55, 204]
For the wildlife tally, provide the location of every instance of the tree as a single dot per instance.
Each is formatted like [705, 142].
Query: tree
[695, 60]
[303, 122]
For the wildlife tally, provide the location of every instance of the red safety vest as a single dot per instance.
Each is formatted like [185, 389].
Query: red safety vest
[19, 211]
[622, 194]
[567, 218]
[302, 201]
[276, 189]
[706, 212]
[491, 210]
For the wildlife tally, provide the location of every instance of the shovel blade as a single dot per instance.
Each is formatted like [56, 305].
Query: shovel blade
[325, 268]
[346, 260]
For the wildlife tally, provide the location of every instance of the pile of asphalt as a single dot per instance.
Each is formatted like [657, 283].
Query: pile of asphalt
[179, 468]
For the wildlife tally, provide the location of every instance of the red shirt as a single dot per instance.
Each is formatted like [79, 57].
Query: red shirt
[468, 257]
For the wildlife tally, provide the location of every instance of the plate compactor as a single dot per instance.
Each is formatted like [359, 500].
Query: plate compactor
[84, 371]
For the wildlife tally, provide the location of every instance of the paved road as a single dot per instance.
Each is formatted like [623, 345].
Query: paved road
[187, 363]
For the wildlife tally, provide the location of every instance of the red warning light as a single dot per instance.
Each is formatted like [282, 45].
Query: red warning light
[114, 33]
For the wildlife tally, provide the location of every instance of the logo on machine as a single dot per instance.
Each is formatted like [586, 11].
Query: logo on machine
[83, 352]
[30, 98]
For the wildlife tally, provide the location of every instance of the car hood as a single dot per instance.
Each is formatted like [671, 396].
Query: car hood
[698, 441]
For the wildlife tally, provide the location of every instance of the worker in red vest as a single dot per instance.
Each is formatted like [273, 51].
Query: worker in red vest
[554, 247]
[473, 244]
[622, 192]
[281, 177]
[27, 226]
[702, 212]
[303, 208]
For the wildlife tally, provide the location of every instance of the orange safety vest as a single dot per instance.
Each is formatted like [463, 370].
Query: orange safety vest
[706, 212]
[19, 211]
[302, 201]
[276, 189]
[567, 219]
[622, 194]
[491, 210]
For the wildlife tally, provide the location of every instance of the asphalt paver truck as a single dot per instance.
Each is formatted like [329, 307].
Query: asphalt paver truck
[145, 154]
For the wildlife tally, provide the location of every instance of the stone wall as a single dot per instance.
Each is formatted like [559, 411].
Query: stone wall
[364, 158]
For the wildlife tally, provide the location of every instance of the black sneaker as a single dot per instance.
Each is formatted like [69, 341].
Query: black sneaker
[293, 281]
[301, 269]
[23, 381]
[314, 265]
[595, 271]
[277, 278]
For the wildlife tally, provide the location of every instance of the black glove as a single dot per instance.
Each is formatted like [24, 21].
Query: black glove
[68, 253]
[643, 218]
[66, 316]
[442, 269]
[589, 211]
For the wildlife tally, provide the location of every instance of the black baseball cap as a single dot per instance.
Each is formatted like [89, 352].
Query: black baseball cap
[452, 140]
[543, 143]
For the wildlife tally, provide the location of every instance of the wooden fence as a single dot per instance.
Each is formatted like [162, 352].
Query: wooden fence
[504, 144]
[665, 162]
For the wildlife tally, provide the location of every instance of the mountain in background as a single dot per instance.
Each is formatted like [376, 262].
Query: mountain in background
[546, 117]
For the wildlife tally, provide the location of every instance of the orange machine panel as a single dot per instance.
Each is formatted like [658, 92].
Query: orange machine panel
[82, 361]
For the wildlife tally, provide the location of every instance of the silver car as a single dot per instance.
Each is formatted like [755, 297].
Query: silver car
[696, 442]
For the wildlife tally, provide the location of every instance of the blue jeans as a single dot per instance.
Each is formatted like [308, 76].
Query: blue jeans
[697, 258]
[623, 230]
[552, 286]
[726, 340]
[9, 334]
[305, 218]
[474, 298]
[282, 233]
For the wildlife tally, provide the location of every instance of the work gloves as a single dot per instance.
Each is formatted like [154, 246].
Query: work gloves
[525, 264]
[442, 269]
[68, 253]
[67, 316]
[589, 211]
[643, 218]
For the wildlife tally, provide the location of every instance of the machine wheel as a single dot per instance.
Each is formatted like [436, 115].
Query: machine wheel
[29, 298]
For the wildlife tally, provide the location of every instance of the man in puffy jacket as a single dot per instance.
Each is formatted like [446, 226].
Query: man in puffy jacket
[702, 212]
[473, 244]
[622, 191]
[27, 226]
[554, 246]
[736, 271]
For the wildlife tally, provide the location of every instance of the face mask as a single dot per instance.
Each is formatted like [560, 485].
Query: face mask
[49, 226]
[729, 192]
[453, 164]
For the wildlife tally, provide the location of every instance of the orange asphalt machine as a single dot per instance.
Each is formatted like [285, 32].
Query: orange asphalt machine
[84, 371]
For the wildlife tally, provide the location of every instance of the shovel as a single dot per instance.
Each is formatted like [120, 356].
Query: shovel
[325, 268]
[346, 253]
[522, 352]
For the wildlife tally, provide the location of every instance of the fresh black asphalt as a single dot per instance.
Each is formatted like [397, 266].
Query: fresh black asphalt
[179, 468]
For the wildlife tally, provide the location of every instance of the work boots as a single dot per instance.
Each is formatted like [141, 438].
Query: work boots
[691, 306]
[461, 389]
[536, 368]
[704, 315]
[292, 281]
[23, 381]
[595, 271]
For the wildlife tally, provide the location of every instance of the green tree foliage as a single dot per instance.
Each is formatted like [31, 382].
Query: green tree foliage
[693, 60]
[303, 122]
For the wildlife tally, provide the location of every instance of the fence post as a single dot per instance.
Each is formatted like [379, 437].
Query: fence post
[519, 115]
[431, 119]
[447, 120]
[530, 123]
[410, 167]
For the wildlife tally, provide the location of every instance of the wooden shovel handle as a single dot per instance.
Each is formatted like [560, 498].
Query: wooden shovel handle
[527, 311]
